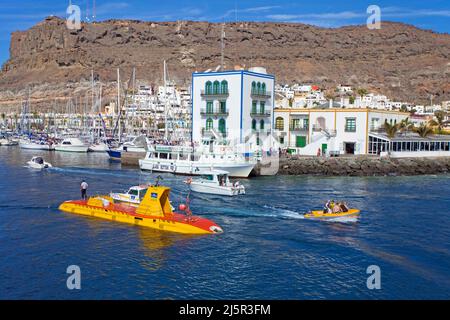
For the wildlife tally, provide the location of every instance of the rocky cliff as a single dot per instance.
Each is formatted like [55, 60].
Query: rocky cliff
[400, 60]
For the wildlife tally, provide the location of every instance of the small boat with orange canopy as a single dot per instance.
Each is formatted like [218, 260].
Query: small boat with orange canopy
[154, 211]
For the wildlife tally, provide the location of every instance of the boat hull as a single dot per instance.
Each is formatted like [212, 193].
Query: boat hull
[98, 148]
[78, 149]
[114, 154]
[235, 170]
[34, 146]
[34, 165]
[215, 190]
[321, 215]
[178, 223]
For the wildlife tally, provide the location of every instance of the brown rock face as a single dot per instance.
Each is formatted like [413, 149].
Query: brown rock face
[399, 60]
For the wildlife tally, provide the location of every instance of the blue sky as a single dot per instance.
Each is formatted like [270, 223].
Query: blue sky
[431, 14]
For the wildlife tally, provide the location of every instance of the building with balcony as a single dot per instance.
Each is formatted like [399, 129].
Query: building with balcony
[333, 131]
[236, 104]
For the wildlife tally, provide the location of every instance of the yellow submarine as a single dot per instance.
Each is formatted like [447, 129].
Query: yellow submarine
[154, 212]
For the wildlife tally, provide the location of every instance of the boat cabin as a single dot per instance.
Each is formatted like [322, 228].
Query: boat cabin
[137, 192]
[38, 160]
[217, 176]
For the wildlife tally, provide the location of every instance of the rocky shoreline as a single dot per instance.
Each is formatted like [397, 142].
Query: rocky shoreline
[363, 166]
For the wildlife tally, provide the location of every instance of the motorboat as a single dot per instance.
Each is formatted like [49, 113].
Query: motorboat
[99, 147]
[38, 163]
[6, 142]
[184, 161]
[36, 145]
[326, 215]
[216, 182]
[154, 211]
[137, 145]
[72, 145]
[133, 196]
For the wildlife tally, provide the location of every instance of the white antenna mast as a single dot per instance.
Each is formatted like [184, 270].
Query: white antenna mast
[166, 129]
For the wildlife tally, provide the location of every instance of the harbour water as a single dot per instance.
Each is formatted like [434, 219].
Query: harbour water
[268, 251]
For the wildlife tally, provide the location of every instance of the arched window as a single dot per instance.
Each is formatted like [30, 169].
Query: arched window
[254, 124]
[222, 126]
[263, 88]
[321, 124]
[253, 87]
[279, 124]
[216, 87]
[208, 87]
[209, 124]
[262, 107]
[209, 107]
[258, 86]
[224, 87]
[261, 124]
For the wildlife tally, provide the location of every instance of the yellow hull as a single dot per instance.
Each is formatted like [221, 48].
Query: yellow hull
[321, 215]
[159, 223]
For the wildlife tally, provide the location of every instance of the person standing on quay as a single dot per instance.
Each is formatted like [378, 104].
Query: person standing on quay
[84, 186]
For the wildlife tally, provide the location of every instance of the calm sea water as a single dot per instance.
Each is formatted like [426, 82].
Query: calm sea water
[267, 251]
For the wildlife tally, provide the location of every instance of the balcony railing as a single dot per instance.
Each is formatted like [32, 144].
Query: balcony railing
[212, 93]
[294, 127]
[255, 113]
[211, 132]
[214, 112]
[261, 94]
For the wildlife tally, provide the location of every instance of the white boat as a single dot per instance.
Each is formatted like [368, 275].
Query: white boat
[182, 160]
[8, 142]
[36, 145]
[38, 163]
[133, 196]
[99, 147]
[216, 182]
[72, 145]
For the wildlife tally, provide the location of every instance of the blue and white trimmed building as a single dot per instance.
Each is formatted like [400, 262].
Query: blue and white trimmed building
[235, 104]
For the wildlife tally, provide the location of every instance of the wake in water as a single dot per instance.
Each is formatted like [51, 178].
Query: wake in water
[284, 213]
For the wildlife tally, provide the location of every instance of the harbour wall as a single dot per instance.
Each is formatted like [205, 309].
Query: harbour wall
[363, 166]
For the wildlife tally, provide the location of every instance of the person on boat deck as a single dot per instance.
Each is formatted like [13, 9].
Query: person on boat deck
[343, 206]
[83, 187]
[328, 208]
[337, 208]
[222, 181]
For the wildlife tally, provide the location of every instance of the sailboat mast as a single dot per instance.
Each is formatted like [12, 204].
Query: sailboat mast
[118, 103]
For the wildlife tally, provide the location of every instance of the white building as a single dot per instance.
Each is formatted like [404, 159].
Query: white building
[333, 131]
[235, 104]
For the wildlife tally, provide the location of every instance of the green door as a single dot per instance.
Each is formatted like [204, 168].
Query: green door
[324, 148]
[300, 142]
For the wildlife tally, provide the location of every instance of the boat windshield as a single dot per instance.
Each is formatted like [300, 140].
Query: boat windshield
[133, 192]
[39, 160]
[208, 177]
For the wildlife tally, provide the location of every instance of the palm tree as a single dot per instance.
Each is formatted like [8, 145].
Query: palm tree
[405, 125]
[439, 122]
[424, 130]
[390, 129]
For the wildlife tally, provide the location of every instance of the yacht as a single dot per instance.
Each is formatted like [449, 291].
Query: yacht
[184, 161]
[99, 147]
[72, 145]
[36, 145]
[137, 145]
[216, 182]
